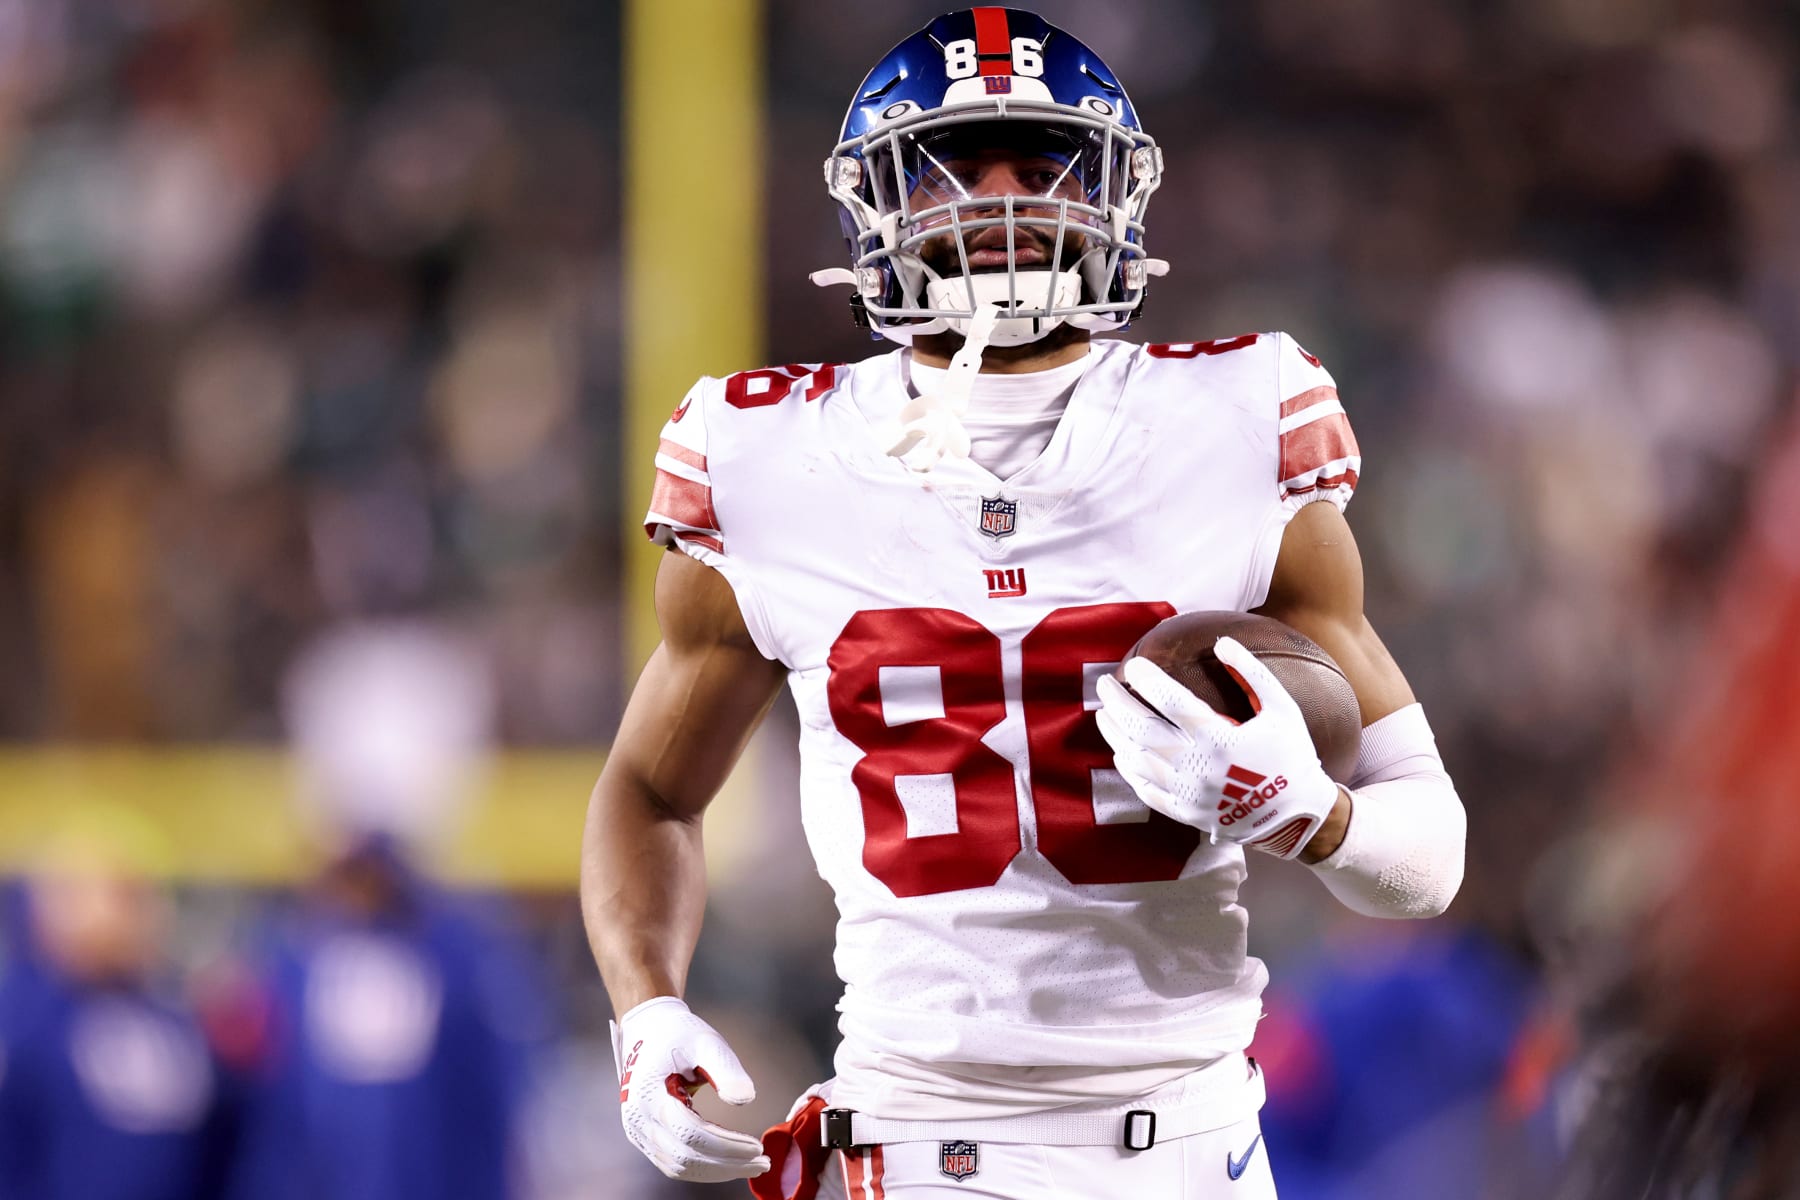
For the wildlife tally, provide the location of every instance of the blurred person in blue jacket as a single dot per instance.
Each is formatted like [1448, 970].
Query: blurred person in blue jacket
[1403, 1056]
[108, 1090]
[397, 1019]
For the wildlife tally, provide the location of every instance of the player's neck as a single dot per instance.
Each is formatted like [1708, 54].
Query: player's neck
[1061, 346]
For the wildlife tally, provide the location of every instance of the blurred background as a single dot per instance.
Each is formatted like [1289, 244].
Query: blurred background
[334, 337]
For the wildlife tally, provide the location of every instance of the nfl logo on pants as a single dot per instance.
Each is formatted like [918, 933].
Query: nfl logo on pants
[958, 1160]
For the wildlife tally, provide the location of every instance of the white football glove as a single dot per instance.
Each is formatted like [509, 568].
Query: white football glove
[1258, 783]
[665, 1053]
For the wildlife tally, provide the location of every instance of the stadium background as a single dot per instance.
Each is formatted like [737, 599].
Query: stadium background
[325, 316]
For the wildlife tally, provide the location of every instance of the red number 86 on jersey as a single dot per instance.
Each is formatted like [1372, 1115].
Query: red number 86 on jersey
[1062, 740]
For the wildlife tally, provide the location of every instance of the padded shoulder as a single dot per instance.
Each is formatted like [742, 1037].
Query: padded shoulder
[717, 420]
[1237, 371]
[795, 383]
[1273, 378]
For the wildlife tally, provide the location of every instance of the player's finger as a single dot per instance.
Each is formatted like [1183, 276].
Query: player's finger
[1133, 723]
[705, 1172]
[675, 1157]
[688, 1128]
[1140, 765]
[667, 1154]
[1120, 733]
[662, 1162]
[1259, 683]
[1150, 778]
[1160, 691]
[1117, 700]
[721, 1068]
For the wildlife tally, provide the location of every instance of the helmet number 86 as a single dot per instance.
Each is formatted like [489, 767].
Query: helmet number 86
[961, 62]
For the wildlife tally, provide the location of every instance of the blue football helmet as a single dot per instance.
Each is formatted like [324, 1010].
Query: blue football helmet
[992, 159]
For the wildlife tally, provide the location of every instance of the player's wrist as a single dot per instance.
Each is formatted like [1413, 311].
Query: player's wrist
[1302, 803]
[1331, 832]
[636, 1011]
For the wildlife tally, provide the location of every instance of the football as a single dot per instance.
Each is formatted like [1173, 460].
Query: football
[1183, 646]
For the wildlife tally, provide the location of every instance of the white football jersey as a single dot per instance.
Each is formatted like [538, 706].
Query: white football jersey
[1004, 898]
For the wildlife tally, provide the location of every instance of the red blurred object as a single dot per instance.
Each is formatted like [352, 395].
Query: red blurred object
[1723, 951]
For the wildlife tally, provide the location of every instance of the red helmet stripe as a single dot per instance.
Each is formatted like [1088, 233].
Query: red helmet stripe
[993, 43]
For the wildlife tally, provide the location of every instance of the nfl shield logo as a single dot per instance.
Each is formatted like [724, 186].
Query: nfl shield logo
[998, 516]
[958, 1160]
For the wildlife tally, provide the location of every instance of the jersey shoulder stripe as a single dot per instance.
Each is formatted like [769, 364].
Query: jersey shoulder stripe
[1319, 456]
[682, 513]
[682, 497]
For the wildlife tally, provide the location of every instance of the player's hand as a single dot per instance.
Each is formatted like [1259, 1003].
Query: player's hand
[1258, 783]
[665, 1053]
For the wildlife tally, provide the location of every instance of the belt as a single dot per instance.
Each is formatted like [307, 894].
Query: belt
[1137, 1129]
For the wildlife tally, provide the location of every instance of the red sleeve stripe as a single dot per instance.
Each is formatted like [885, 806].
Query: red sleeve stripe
[683, 502]
[681, 470]
[1291, 426]
[1345, 478]
[1317, 445]
[1306, 399]
[681, 454]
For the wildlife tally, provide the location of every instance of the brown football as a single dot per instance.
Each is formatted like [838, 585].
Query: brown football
[1183, 646]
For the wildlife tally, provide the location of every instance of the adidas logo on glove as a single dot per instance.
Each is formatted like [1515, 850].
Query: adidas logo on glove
[1247, 792]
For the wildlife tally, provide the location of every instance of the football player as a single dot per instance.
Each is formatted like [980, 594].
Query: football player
[944, 550]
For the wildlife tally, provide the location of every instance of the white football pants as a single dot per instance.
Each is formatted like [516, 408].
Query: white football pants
[1224, 1164]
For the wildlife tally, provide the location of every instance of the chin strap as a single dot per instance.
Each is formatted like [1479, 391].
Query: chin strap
[930, 427]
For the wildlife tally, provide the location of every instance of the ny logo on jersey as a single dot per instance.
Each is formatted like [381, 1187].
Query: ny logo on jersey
[1003, 584]
[999, 516]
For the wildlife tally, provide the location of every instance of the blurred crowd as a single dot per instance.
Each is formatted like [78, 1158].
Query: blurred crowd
[307, 312]
[309, 316]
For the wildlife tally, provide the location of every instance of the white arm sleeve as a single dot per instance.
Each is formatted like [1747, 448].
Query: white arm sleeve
[1403, 853]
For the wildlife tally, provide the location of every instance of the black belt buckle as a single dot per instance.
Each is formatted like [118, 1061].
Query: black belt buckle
[1140, 1129]
[836, 1129]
